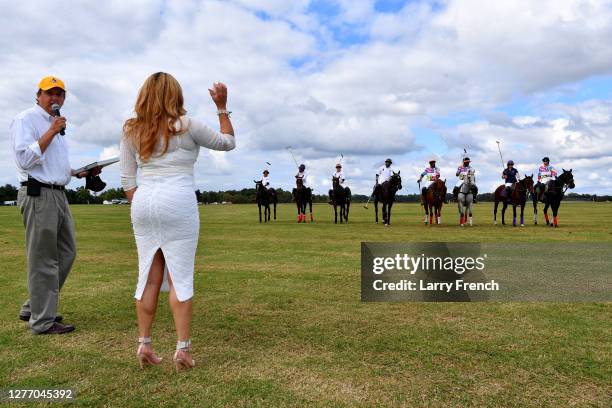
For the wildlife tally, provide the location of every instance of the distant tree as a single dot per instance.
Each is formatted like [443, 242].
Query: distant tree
[81, 196]
[8, 193]
[112, 194]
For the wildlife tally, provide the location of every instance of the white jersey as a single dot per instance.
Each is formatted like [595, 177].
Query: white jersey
[384, 174]
[462, 172]
[340, 175]
[304, 176]
[265, 181]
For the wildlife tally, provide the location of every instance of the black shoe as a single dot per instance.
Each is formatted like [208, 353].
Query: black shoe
[26, 317]
[57, 328]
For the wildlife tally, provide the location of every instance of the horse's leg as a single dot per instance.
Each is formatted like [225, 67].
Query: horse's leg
[439, 215]
[555, 209]
[513, 215]
[470, 211]
[311, 216]
[348, 206]
[299, 210]
[335, 213]
[259, 206]
[546, 213]
[431, 214]
[522, 213]
[274, 211]
[389, 213]
[495, 211]
[535, 209]
[268, 212]
[376, 209]
[503, 211]
[384, 213]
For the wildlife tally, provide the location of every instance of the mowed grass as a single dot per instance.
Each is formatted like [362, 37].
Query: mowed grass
[278, 322]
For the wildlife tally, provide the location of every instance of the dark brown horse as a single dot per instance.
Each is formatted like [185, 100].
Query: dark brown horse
[340, 197]
[385, 193]
[264, 197]
[518, 196]
[552, 197]
[434, 199]
[302, 196]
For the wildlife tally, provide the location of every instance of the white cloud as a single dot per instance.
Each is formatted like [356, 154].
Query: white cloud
[293, 82]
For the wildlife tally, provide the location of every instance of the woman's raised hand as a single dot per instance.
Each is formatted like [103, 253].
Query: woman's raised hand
[218, 93]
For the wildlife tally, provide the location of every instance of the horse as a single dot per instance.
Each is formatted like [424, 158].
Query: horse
[518, 196]
[465, 199]
[340, 197]
[552, 197]
[385, 193]
[434, 199]
[302, 196]
[264, 198]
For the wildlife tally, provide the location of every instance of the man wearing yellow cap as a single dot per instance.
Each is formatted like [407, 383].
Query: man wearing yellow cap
[41, 156]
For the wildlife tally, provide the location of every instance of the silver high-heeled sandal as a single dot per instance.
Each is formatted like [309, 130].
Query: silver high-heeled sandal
[182, 357]
[145, 353]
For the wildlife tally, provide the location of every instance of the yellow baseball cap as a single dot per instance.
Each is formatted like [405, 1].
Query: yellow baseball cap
[49, 82]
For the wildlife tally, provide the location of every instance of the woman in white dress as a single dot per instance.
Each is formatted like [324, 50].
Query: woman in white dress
[163, 143]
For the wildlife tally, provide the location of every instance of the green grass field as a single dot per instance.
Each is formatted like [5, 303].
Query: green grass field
[278, 321]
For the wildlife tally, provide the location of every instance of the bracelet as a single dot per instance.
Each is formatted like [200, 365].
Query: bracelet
[224, 112]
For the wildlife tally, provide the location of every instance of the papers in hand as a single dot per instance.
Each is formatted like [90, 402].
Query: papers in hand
[101, 163]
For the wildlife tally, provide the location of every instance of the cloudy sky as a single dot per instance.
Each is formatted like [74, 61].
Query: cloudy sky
[367, 79]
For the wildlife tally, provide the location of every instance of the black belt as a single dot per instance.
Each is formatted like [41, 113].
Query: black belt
[51, 186]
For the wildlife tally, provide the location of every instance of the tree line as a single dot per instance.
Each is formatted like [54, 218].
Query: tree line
[81, 195]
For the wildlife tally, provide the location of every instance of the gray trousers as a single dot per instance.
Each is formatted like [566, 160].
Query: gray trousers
[50, 250]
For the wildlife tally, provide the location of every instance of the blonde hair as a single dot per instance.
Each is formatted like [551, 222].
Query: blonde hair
[158, 108]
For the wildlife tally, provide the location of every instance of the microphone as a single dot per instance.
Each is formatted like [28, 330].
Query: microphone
[56, 110]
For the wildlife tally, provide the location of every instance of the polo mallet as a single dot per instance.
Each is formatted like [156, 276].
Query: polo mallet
[368, 202]
[500, 154]
[295, 161]
[341, 157]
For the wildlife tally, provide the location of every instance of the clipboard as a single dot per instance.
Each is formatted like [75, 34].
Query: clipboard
[101, 163]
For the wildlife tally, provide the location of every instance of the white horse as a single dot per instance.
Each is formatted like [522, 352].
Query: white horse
[465, 199]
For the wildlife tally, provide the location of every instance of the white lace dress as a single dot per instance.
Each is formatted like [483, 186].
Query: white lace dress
[164, 209]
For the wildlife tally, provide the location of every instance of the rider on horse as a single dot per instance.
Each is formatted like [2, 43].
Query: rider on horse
[265, 180]
[511, 176]
[302, 175]
[384, 173]
[431, 174]
[546, 174]
[462, 172]
[339, 174]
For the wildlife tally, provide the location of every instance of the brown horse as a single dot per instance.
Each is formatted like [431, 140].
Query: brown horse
[434, 199]
[518, 196]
